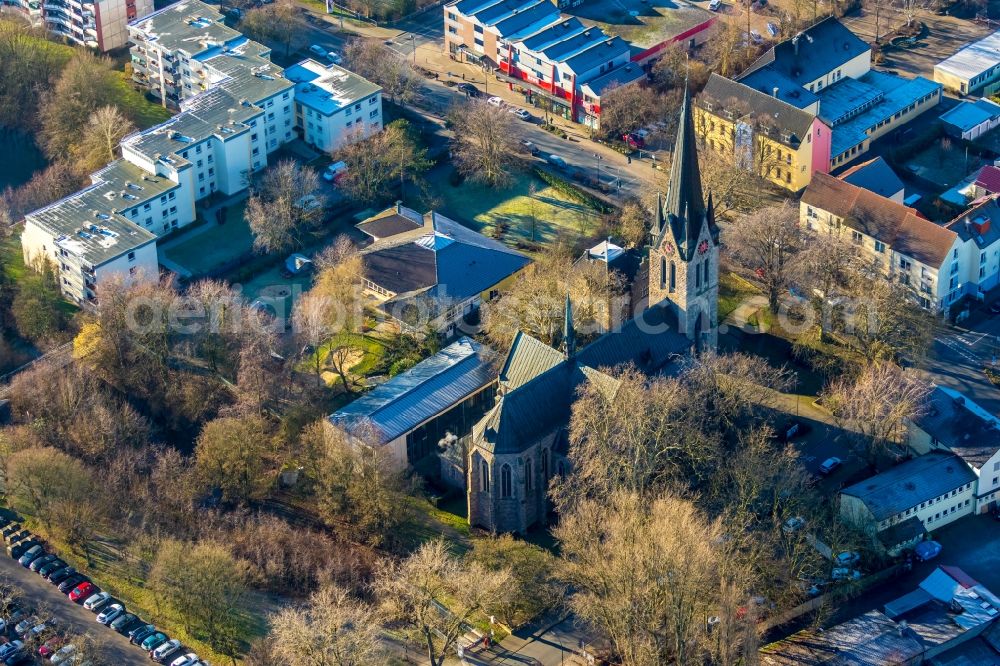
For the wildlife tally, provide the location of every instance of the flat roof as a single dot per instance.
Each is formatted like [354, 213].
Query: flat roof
[908, 484]
[190, 26]
[427, 389]
[968, 115]
[88, 223]
[973, 59]
[616, 77]
[642, 24]
[328, 88]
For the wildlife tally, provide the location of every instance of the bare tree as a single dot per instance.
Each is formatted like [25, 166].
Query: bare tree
[333, 629]
[883, 319]
[375, 163]
[377, 62]
[335, 306]
[313, 322]
[826, 267]
[626, 108]
[437, 594]
[101, 136]
[767, 243]
[280, 22]
[284, 207]
[912, 8]
[485, 143]
[634, 223]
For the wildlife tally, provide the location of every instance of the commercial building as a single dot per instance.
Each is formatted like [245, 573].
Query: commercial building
[924, 493]
[98, 24]
[952, 422]
[825, 74]
[942, 263]
[975, 69]
[235, 108]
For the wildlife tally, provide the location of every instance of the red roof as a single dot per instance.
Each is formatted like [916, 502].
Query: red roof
[960, 577]
[989, 178]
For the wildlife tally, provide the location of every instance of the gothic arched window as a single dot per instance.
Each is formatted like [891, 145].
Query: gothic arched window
[527, 475]
[485, 483]
[663, 272]
[673, 276]
[505, 481]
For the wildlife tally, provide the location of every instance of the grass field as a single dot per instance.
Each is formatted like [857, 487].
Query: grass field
[549, 214]
[733, 290]
[11, 257]
[205, 249]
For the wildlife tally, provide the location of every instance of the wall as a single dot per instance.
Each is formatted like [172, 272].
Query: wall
[329, 132]
[822, 137]
[854, 68]
[143, 268]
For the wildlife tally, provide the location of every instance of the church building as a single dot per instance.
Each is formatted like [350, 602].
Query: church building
[521, 443]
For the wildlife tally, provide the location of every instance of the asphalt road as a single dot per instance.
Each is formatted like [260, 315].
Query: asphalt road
[74, 619]
[957, 359]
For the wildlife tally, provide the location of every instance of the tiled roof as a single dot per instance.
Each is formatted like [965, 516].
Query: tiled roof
[961, 425]
[424, 391]
[988, 178]
[908, 484]
[894, 224]
[876, 176]
[388, 223]
[869, 640]
[528, 358]
[814, 52]
[727, 96]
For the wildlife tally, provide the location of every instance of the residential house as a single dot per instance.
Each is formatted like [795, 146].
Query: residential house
[436, 274]
[333, 105]
[987, 182]
[825, 73]
[899, 505]
[522, 442]
[876, 176]
[98, 24]
[412, 413]
[952, 422]
[947, 617]
[974, 69]
[970, 120]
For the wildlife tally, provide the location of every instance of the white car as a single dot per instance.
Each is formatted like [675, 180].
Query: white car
[520, 113]
[793, 524]
[109, 614]
[165, 649]
[847, 558]
[318, 51]
[95, 601]
[715, 5]
[334, 57]
[187, 660]
[331, 172]
[495, 101]
[63, 653]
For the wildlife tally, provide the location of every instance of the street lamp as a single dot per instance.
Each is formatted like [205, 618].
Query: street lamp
[413, 41]
[598, 157]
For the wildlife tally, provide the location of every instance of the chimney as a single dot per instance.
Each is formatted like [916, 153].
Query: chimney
[774, 91]
[903, 626]
[399, 208]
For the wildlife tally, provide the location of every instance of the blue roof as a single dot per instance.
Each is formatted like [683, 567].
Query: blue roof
[553, 33]
[898, 93]
[598, 54]
[790, 92]
[814, 52]
[875, 176]
[543, 13]
[507, 8]
[968, 115]
[845, 98]
[427, 389]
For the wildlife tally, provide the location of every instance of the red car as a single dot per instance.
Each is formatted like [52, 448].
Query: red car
[82, 591]
[634, 140]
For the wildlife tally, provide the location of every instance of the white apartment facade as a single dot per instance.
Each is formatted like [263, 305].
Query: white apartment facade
[99, 24]
[222, 135]
[333, 105]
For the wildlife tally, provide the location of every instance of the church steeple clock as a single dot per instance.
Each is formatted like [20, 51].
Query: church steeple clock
[684, 250]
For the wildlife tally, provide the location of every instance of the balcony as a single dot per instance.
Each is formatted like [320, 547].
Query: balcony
[61, 21]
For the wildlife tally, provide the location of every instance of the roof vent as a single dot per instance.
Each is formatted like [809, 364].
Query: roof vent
[774, 91]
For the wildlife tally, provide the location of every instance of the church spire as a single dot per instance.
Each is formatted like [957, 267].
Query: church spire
[569, 332]
[684, 207]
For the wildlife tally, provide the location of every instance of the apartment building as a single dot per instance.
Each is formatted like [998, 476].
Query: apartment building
[99, 24]
[566, 62]
[235, 108]
[824, 72]
[942, 263]
[333, 105]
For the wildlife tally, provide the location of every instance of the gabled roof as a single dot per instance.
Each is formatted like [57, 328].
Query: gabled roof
[424, 391]
[528, 358]
[961, 425]
[876, 176]
[974, 59]
[896, 225]
[869, 640]
[725, 95]
[988, 178]
[814, 52]
[554, 32]
[908, 484]
[390, 222]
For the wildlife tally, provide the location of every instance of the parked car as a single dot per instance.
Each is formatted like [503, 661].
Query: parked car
[556, 160]
[634, 141]
[187, 660]
[11, 649]
[165, 651]
[138, 634]
[82, 592]
[10, 530]
[847, 558]
[30, 555]
[125, 623]
[42, 631]
[22, 547]
[755, 37]
[59, 575]
[48, 649]
[25, 625]
[927, 550]
[793, 524]
[529, 147]
[50, 567]
[468, 89]
[63, 654]
[520, 113]
[715, 5]
[495, 101]
[845, 573]
[335, 172]
[71, 582]
[830, 465]
[11, 620]
[773, 29]
[96, 602]
[39, 562]
[109, 614]
[318, 51]
[793, 429]
[334, 57]
[153, 641]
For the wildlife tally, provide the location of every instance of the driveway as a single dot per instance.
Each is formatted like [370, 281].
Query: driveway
[958, 356]
[73, 618]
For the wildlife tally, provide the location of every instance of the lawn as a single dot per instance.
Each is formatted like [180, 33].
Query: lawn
[11, 257]
[135, 104]
[528, 202]
[733, 290]
[211, 245]
[369, 353]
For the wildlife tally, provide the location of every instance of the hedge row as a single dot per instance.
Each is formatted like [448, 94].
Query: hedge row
[574, 192]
